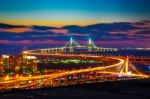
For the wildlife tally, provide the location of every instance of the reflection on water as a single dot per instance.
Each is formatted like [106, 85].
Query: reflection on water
[143, 67]
[148, 68]
[126, 52]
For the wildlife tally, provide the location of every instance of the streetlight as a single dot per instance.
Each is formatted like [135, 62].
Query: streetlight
[17, 75]
[7, 77]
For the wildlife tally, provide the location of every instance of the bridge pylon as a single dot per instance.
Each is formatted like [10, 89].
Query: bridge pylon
[125, 67]
[70, 47]
[90, 45]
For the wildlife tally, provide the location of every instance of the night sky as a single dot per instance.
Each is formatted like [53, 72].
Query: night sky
[110, 23]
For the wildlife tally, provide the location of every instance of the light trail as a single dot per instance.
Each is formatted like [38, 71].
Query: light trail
[51, 77]
[64, 73]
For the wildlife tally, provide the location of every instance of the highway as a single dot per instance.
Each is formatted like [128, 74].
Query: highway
[16, 81]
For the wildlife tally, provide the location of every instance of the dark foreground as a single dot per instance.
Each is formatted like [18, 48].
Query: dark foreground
[133, 89]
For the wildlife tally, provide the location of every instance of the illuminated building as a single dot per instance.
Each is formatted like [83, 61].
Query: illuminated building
[11, 63]
[29, 63]
[1, 64]
[5, 60]
[14, 63]
[17, 63]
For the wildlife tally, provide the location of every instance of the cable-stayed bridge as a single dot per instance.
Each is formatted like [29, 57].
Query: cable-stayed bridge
[114, 68]
[73, 46]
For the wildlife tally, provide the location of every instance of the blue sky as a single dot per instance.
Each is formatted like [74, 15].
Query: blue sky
[110, 23]
[78, 12]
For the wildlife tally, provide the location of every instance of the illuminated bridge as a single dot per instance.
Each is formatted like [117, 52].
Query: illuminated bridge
[118, 68]
[73, 46]
[140, 60]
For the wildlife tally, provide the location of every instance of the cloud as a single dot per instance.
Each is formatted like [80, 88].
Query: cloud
[129, 32]
[78, 34]
[144, 32]
[30, 42]
[8, 26]
[61, 31]
[42, 27]
[107, 27]
[116, 34]
[123, 43]
[16, 30]
[15, 42]
[77, 29]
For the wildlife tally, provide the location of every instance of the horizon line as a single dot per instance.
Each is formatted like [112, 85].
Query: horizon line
[59, 26]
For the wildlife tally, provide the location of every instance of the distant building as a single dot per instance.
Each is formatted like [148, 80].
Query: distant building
[17, 63]
[1, 64]
[5, 61]
[29, 62]
[14, 63]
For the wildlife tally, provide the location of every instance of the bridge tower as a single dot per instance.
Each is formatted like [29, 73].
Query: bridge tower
[90, 45]
[125, 67]
[71, 43]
